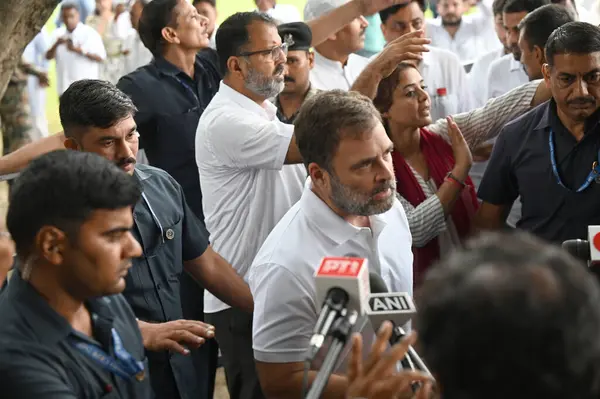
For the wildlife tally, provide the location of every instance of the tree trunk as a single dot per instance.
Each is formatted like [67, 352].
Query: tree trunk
[20, 21]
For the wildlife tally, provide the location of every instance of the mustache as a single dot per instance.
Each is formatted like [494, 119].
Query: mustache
[582, 101]
[126, 161]
[289, 79]
[278, 69]
[388, 185]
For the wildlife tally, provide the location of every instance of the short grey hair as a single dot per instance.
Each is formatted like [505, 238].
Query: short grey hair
[326, 118]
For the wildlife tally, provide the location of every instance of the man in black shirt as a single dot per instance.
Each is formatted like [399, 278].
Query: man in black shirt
[65, 330]
[97, 117]
[550, 155]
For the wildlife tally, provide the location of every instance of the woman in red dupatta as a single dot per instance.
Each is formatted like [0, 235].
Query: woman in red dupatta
[432, 174]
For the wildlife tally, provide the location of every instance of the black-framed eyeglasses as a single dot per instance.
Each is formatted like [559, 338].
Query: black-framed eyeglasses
[275, 51]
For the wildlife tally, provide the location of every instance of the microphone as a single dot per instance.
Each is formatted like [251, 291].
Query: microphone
[578, 248]
[586, 251]
[399, 308]
[342, 286]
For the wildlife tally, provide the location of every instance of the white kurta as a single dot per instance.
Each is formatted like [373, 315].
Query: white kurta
[70, 66]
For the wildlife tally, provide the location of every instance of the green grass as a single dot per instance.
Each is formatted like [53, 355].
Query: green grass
[225, 9]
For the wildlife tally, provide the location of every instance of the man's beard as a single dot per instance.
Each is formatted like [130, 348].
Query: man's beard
[455, 21]
[353, 202]
[516, 52]
[264, 86]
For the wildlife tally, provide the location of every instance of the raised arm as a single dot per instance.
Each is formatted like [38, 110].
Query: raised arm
[428, 219]
[330, 23]
[485, 123]
[405, 48]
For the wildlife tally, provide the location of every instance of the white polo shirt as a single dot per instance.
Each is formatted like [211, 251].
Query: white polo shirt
[246, 189]
[70, 66]
[471, 40]
[329, 75]
[282, 275]
[505, 74]
[478, 77]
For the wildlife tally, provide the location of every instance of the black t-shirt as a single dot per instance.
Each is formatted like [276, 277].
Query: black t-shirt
[38, 361]
[169, 104]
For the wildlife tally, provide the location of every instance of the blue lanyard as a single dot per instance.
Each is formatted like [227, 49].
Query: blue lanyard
[593, 175]
[125, 365]
[189, 90]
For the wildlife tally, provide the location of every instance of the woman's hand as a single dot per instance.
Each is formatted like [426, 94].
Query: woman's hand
[407, 47]
[462, 154]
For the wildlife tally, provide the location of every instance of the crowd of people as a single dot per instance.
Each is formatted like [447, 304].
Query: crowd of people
[270, 143]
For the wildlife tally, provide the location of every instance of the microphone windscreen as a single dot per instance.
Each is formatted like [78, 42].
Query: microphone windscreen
[377, 284]
[578, 248]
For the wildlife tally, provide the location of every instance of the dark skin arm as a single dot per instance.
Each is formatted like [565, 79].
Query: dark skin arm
[219, 278]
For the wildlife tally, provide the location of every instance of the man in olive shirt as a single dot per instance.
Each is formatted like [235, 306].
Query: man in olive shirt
[65, 331]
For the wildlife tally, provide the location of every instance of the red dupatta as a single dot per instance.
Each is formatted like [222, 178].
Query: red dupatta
[440, 160]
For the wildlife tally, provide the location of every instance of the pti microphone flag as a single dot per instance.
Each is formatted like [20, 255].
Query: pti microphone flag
[342, 286]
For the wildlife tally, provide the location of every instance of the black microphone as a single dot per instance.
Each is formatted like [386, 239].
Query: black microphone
[578, 248]
[397, 308]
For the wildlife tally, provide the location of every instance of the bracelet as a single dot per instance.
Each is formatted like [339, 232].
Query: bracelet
[451, 178]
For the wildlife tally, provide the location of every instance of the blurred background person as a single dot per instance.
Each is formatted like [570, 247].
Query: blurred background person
[35, 55]
[136, 54]
[522, 313]
[113, 24]
[77, 48]
[282, 13]
[467, 36]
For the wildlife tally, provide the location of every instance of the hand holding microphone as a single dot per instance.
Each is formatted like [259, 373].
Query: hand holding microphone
[378, 378]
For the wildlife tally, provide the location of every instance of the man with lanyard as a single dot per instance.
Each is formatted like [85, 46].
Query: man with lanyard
[549, 156]
[172, 92]
[97, 117]
[300, 61]
[65, 330]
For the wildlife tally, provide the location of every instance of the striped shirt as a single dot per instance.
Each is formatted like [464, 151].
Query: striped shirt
[427, 220]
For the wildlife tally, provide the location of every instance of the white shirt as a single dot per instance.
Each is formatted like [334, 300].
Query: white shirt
[505, 74]
[472, 37]
[284, 13]
[478, 77]
[442, 72]
[282, 275]
[138, 55]
[329, 75]
[70, 66]
[240, 152]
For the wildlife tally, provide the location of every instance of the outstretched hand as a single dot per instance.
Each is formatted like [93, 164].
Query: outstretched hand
[378, 378]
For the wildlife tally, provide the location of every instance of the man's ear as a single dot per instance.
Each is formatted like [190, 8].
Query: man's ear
[50, 243]
[71, 144]
[169, 35]
[546, 69]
